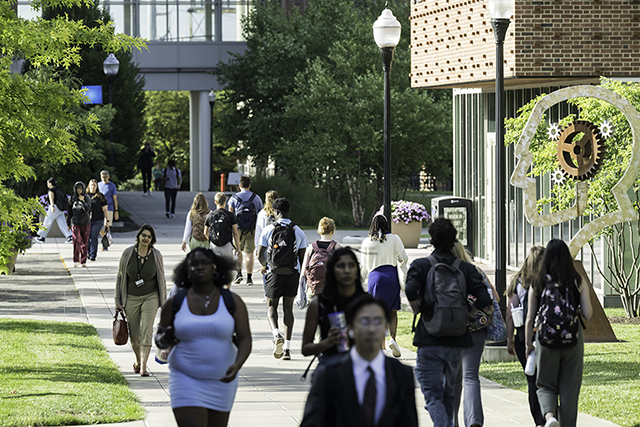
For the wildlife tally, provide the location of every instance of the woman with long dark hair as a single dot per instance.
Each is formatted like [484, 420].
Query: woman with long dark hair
[342, 284]
[99, 214]
[382, 254]
[206, 357]
[559, 370]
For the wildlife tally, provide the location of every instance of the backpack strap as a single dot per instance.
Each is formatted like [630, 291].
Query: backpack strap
[177, 302]
[227, 297]
[314, 247]
[253, 196]
[332, 246]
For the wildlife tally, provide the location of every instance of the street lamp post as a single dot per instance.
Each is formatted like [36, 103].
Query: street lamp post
[500, 12]
[386, 32]
[110, 66]
[212, 101]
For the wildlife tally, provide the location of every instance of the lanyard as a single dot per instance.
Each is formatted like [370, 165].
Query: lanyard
[139, 264]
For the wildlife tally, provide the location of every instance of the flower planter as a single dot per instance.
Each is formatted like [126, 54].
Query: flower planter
[408, 233]
[11, 264]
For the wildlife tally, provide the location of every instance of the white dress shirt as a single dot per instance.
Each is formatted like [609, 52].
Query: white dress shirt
[361, 377]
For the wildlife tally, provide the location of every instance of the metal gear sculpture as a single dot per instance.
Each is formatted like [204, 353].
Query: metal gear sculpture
[581, 159]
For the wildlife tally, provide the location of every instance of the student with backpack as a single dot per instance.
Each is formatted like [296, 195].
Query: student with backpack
[437, 288]
[172, 178]
[58, 204]
[194, 229]
[221, 228]
[382, 254]
[558, 300]
[281, 250]
[315, 259]
[80, 219]
[517, 299]
[246, 205]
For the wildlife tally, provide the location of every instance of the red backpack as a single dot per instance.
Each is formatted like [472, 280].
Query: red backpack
[316, 267]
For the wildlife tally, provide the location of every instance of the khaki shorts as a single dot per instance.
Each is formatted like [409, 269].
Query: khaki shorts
[247, 244]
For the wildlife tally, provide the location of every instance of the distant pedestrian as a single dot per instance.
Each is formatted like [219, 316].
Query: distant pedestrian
[221, 228]
[281, 250]
[172, 178]
[158, 182]
[382, 254]
[342, 285]
[559, 370]
[80, 219]
[362, 388]
[58, 204]
[208, 327]
[99, 220]
[517, 297]
[246, 205]
[145, 164]
[140, 290]
[108, 188]
[194, 234]
[266, 215]
[315, 259]
[441, 339]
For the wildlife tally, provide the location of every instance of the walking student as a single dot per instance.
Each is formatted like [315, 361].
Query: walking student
[108, 189]
[221, 227]
[140, 290]
[315, 259]
[79, 221]
[363, 387]
[440, 337]
[558, 294]
[158, 182]
[281, 250]
[58, 204]
[98, 217]
[246, 205]
[172, 178]
[194, 229]
[145, 164]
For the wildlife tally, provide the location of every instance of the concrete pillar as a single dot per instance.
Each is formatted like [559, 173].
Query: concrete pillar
[199, 140]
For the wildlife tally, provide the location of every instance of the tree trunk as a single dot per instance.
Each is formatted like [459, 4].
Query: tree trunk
[357, 208]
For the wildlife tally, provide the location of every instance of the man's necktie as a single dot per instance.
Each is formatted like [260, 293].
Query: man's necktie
[369, 400]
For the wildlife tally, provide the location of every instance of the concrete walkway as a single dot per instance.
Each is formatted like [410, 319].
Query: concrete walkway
[270, 393]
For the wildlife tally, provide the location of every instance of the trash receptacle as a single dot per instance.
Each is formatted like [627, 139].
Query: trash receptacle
[460, 212]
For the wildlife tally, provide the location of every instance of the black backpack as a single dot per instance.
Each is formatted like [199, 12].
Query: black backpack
[61, 200]
[282, 256]
[558, 317]
[220, 228]
[446, 292]
[246, 213]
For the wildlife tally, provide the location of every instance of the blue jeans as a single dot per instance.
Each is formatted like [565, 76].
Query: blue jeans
[437, 370]
[94, 238]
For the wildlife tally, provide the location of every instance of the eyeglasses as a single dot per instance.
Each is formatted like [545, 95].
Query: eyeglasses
[369, 321]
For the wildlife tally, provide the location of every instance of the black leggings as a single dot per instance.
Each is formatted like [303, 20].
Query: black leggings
[534, 405]
[170, 195]
[146, 179]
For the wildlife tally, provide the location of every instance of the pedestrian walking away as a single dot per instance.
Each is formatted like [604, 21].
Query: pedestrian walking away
[342, 285]
[140, 290]
[145, 164]
[221, 227]
[382, 254]
[79, 221]
[362, 387]
[315, 260]
[441, 333]
[203, 316]
[281, 251]
[158, 182]
[517, 308]
[246, 205]
[58, 204]
[172, 178]
[194, 229]
[108, 188]
[99, 213]
[266, 216]
[558, 296]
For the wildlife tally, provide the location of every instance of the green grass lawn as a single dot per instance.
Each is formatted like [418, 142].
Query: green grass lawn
[611, 378]
[55, 373]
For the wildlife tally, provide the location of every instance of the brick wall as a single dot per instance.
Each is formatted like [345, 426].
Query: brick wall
[453, 45]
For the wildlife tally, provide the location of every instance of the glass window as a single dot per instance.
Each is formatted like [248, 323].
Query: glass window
[196, 21]
[26, 11]
[159, 21]
[123, 16]
[232, 14]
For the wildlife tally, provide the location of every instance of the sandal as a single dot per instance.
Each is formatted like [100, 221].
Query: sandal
[136, 369]
[144, 374]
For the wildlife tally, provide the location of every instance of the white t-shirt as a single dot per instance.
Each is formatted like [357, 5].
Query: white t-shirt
[301, 239]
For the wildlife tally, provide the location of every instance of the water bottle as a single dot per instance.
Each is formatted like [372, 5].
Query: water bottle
[530, 367]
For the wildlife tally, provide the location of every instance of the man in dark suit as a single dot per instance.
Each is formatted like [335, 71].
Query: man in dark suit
[362, 388]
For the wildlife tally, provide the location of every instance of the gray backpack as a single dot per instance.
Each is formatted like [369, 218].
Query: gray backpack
[446, 292]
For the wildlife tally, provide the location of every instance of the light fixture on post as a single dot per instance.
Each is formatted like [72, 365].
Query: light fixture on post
[500, 12]
[386, 32]
[212, 101]
[110, 66]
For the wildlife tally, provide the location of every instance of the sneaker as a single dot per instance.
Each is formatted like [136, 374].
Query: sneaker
[249, 281]
[168, 215]
[552, 422]
[238, 279]
[286, 355]
[84, 265]
[39, 239]
[77, 264]
[393, 346]
[173, 215]
[105, 249]
[278, 343]
[92, 259]
[69, 239]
